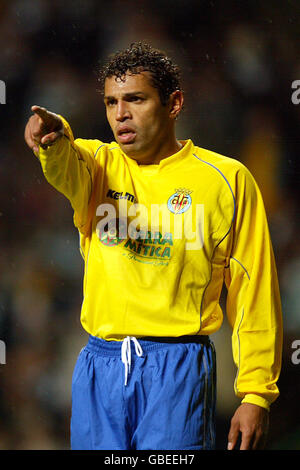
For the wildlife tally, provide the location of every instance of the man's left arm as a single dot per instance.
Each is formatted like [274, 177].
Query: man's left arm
[254, 312]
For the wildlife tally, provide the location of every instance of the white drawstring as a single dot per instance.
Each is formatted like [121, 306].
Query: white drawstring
[126, 353]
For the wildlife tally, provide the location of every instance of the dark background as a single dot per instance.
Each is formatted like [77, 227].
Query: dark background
[239, 60]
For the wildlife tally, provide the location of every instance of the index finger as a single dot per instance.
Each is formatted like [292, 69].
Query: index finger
[41, 112]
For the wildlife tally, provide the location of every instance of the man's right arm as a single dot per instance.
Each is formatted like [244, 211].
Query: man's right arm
[67, 165]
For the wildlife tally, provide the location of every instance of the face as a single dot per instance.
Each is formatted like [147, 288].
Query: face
[140, 123]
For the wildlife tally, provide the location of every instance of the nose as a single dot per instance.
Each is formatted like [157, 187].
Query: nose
[123, 112]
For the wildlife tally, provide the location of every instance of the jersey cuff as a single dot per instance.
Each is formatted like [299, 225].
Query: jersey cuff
[256, 400]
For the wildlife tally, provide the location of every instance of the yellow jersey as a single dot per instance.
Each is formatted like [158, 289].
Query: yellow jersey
[158, 243]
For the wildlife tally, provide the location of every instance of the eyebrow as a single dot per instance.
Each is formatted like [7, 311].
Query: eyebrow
[126, 95]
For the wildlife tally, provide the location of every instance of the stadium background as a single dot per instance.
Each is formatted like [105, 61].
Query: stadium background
[238, 65]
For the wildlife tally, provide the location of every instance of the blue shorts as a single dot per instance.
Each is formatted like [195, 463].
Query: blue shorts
[161, 397]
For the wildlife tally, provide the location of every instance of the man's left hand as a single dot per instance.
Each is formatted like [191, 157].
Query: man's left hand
[252, 421]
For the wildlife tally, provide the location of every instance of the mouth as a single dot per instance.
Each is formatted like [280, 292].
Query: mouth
[126, 135]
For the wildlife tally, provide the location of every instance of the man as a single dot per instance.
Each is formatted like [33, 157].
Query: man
[162, 223]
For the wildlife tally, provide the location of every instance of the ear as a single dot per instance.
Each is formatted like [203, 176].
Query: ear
[175, 103]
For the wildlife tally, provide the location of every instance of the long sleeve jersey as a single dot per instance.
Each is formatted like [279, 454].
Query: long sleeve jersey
[158, 243]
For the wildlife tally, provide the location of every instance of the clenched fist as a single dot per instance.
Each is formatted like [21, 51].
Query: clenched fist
[43, 128]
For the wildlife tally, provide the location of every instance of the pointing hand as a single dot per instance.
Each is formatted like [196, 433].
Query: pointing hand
[43, 128]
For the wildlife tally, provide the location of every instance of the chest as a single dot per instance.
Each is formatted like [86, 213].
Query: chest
[189, 206]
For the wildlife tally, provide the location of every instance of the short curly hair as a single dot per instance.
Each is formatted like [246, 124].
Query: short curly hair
[141, 57]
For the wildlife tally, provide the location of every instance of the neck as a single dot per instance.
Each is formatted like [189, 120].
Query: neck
[158, 154]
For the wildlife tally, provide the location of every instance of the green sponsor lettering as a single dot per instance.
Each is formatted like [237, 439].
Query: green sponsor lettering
[130, 244]
[157, 250]
[167, 238]
[166, 253]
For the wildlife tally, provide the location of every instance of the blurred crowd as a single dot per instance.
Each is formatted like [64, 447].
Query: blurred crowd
[238, 64]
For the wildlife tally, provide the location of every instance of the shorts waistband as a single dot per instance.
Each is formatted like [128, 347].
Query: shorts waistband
[148, 343]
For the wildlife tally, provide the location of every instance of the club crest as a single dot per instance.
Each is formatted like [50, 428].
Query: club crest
[180, 201]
